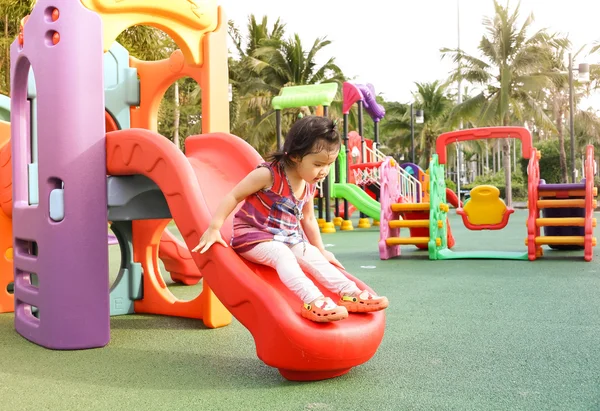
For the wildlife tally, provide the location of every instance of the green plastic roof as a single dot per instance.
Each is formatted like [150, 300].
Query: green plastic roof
[299, 96]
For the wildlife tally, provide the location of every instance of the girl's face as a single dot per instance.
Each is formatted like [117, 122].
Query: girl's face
[315, 167]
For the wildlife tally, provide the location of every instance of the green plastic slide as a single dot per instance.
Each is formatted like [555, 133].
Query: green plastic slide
[361, 200]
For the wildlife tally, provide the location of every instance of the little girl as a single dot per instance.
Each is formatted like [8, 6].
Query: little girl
[276, 225]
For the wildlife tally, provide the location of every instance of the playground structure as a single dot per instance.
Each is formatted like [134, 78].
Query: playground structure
[569, 222]
[364, 177]
[121, 93]
[63, 201]
[354, 177]
[364, 97]
[315, 95]
[336, 185]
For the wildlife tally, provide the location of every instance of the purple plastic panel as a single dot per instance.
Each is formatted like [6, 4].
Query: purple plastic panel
[375, 110]
[69, 257]
[562, 186]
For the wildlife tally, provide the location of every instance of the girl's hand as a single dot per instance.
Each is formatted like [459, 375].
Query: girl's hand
[331, 258]
[209, 237]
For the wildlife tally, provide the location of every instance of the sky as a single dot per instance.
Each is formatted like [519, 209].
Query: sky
[393, 44]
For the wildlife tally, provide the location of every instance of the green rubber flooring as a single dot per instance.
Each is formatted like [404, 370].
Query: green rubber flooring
[460, 335]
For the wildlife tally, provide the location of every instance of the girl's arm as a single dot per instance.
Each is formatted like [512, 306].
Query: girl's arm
[258, 179]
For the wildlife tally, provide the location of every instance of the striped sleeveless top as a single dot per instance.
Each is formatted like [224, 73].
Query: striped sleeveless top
[271, 214]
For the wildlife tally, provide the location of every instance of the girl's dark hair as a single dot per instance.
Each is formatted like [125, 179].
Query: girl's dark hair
[310, 134]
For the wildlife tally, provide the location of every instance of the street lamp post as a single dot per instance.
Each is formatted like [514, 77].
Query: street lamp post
[419, 120]
[584, 76]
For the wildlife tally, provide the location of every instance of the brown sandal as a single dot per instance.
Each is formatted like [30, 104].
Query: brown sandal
[323, 310]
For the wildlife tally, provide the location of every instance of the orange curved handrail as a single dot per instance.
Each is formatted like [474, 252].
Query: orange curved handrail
[533, 182]
[482, 133]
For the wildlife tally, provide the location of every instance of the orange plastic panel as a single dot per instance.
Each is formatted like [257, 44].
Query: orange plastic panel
[186, 21]
[157, 298]
[157, 76]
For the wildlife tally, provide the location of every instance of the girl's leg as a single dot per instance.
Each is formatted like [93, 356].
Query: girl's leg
[279, 256]
[352, 297]
[326, 273]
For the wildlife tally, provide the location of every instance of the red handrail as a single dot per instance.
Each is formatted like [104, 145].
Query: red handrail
[589, 203]
[374, 164]
[483, 133]
[533, 231]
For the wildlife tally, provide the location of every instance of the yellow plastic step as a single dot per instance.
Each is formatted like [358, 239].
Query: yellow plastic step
[408, 223]
[410, 207]
[564, 221]
[560, 240]
[558, 203]
[407, 240]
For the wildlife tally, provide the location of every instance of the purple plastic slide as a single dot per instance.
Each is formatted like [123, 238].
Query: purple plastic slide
[375, 110]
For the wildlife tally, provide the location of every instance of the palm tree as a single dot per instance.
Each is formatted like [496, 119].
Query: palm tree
[147, 43]
[511, 72]
[395, 128]
[558, 97]
[268, 63]
[257, 32]
[437, 105]
[434, 101]
[245, 108]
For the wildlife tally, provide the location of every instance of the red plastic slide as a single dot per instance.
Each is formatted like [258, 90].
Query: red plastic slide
[193, 187]
[452, 198]
[178, 260]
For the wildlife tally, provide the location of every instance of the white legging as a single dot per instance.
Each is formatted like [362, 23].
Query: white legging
[289, 263]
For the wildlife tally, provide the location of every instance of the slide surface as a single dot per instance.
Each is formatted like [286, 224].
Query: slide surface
[193, 187]
[6, 242]
[178, 260]
[361, 200]
[452, 198]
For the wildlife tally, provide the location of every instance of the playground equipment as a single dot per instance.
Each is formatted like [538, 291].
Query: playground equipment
[60, 256]
[565, 201]
[485, 210]
[122, 92]
[364, 97]
[352, 193]
[319, 95]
